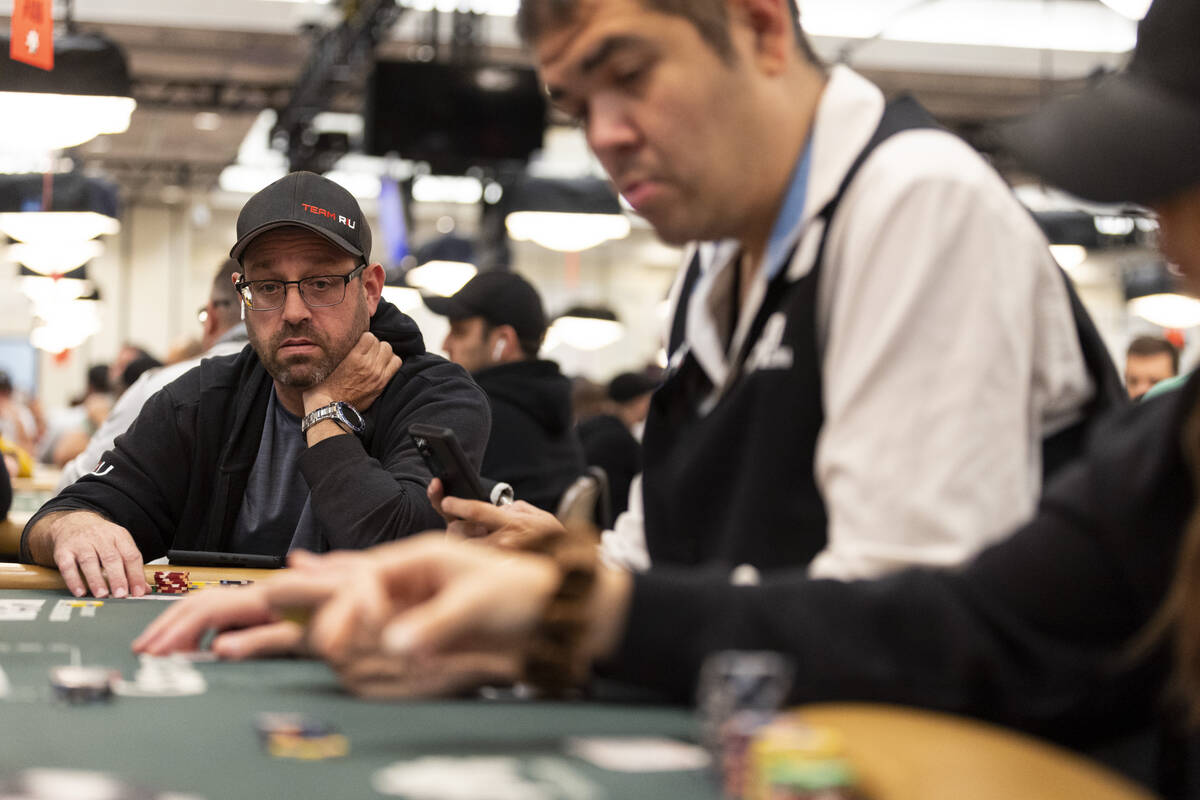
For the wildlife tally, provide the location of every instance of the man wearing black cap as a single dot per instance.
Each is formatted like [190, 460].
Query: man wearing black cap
[496, 329]
[297, 442]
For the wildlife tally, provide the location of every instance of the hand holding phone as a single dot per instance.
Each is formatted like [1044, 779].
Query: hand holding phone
[445, 458]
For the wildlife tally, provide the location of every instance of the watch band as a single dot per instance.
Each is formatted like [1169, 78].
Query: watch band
[343, 413]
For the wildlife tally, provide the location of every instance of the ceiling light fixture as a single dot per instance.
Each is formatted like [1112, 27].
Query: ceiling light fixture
[1152, 290]
[1167, 310]
[441, 277]
[1132, 9]
[585, 328]
[85, 95]
[568, 215]
[566, 232]
[43, 226]
[1069, 256]
[55, 257]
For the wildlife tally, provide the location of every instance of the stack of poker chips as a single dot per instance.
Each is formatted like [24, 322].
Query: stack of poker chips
[170, 582]
[299, 736]
[787, 759]
[76, 684]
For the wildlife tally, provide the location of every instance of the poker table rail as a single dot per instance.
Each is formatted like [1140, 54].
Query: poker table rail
[27, 576]
[10, 532]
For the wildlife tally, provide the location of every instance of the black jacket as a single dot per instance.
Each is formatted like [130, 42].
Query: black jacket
[1034, 633]
[5, 492]
[176, 478]
[608, 444]
[533, 446]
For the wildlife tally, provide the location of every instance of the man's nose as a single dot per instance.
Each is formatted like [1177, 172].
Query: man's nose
[294, 307]
[609, 128]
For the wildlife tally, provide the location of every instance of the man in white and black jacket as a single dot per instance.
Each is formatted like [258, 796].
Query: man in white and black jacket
[298, 441]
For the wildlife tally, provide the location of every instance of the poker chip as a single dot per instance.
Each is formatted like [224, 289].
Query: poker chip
[79, 685]
[300, 736]
[164, 676]
[171, 582]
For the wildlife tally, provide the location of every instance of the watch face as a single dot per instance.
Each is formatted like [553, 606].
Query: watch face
[349, 415]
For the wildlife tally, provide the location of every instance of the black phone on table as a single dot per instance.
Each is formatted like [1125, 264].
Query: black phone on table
[204, 558]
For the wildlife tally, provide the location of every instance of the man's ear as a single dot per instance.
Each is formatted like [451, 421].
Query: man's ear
[372, 278]
[768, 27]
[504, 342]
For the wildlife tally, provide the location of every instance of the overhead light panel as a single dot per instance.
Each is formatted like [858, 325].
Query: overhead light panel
[585, 328]
[568, 215]
[55, 257]
[1069, 256]
[1133, 9]
[1168, 310]
[441, 277]
[1153, 292]
[85, 95]
[566, 232]
[43, 226]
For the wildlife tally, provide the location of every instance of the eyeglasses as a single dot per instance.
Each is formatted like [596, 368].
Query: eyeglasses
[316, 292]
[202, 314]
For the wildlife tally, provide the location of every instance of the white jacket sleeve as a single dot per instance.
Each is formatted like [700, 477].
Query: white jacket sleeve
[947, 336]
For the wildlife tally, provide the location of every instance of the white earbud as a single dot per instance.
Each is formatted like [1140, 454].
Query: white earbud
[498, 350]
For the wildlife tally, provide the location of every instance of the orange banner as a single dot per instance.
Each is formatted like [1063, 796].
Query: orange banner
[33, 33]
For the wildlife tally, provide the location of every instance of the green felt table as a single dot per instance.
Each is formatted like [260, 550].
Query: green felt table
[207, 744]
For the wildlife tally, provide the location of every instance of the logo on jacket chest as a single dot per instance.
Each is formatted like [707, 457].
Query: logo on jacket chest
[769, 352]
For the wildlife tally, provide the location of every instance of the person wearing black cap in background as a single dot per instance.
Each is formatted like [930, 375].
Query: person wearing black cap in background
[1083, 626]
[613, 441]
[298, 441]
[497, 325]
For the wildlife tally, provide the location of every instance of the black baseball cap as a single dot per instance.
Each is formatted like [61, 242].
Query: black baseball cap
[629, 385]
[310, 201]
[1134, 137]
[500, 297]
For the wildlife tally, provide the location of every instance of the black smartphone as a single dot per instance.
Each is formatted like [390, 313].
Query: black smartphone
[203, 558]
[446, 460]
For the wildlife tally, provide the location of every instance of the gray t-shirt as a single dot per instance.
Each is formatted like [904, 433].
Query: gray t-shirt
[276, 515]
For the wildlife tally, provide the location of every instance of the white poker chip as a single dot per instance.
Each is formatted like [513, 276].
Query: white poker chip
[77, 684]
[469, 778]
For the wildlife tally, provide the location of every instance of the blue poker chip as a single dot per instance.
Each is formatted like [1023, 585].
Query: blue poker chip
[289, 723]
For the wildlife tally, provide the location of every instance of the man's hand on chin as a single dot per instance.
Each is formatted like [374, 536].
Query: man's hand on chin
[361, 377]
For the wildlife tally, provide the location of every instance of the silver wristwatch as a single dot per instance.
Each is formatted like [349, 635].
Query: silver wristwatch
[342, 413]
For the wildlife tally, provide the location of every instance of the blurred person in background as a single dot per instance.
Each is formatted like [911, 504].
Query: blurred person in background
[497, 324]
[127, 354]
[6, 494]
[1149, 361]
[68, 429]
[224, 334]
[134, 370]
[17, 424]
[612, 440]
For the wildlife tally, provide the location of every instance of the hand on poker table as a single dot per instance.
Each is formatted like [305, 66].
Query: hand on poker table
[250, 624]
[91, 553]
[421, 617]
[433, 615]
[426, 616]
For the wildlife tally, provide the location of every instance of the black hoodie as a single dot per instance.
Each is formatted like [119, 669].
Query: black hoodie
[176, 478]
[533, 445]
